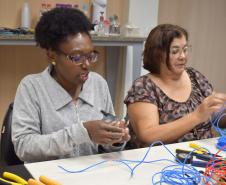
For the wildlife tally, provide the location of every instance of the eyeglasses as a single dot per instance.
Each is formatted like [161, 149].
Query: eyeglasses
[178, 51]
[79, 59]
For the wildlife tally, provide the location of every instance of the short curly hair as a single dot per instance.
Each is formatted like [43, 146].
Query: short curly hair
[57, 24]
[157, 46]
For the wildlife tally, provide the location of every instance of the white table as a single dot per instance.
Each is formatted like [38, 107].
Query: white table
[112, 173]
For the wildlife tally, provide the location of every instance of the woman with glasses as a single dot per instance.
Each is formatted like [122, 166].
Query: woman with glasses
[59, 112]
[172, 103]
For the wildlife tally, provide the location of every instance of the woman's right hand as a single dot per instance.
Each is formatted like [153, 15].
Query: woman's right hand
[102, 132]
[210, 105]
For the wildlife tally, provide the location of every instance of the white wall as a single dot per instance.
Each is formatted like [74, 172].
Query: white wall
[144, 14]
[205, 21]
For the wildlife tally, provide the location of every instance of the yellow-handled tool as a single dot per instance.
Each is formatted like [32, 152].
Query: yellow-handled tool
[34, 182]
[43, 181]
[12, 179]
[16, 178]
[48, 181]
[199, 148]
[7, 182]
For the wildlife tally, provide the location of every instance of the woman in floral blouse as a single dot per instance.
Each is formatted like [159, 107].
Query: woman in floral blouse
[173, 103]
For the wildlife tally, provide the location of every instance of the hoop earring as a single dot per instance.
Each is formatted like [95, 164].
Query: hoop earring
[53, 63]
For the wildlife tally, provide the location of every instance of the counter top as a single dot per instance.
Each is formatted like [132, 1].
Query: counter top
[118, 38]
[30, 37]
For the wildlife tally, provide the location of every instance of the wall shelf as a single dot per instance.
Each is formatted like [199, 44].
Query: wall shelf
[19, 39]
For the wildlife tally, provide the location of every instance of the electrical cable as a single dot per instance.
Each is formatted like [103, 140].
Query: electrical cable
[217, 171]
[177, 173]
[82, 170]
[180, 173]
[215, 119]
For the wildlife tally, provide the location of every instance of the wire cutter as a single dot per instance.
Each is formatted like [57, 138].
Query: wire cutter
[198, 148]
[12, 179]
[201, 150]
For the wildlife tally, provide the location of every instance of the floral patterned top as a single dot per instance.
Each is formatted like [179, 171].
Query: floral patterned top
[145, 90]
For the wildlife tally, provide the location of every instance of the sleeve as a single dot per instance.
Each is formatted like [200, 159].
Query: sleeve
[142, 90]
[109, 108]
[202, 83]
[29, 143]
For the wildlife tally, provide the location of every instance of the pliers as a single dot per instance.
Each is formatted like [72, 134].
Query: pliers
[43, 180]
[12, 179]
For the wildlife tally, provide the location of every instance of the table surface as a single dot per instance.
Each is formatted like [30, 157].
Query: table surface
[112, 173]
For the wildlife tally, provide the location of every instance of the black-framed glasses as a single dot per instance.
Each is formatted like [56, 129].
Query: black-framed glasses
[79, 59]
[178, 51]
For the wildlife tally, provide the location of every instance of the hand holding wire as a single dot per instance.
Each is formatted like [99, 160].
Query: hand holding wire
[101, 132]
[210, 105]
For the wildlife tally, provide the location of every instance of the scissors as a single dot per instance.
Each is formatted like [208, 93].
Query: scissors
[12, 179]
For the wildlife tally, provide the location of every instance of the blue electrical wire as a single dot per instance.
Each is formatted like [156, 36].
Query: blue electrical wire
[215, 119]
[83, 170]
[178, 173]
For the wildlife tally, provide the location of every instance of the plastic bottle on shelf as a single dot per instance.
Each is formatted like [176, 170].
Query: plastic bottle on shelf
[85, 9]
[114, 25]
[101, 30]
[106, 26]
[25, 16]
[43, 9]
[48, 7]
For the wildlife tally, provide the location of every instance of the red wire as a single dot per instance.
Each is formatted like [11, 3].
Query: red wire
[216, 169]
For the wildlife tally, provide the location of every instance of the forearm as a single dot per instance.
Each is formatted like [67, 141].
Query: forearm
[32, 147]
[170, 131]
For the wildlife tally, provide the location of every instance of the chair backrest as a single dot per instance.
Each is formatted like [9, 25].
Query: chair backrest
[8, 155]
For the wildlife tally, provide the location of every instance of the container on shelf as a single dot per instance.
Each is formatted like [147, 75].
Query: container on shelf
[25, 16]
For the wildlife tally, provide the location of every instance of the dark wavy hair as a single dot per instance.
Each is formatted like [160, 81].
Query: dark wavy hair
[157, 46]
[57, 24]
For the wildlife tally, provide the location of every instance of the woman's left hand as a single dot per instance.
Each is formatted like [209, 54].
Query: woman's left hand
[122, 124]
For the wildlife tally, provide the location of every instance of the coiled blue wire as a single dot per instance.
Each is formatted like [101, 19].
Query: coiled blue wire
[215, 119]
[177, 173]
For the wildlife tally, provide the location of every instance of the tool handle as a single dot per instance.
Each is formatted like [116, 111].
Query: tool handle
[187, 151]
[201, 164]
[48, 181]
[4, 182]
[16, 178]
[196, 146]
[34, 182]
[7, 182]
[204, 157]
